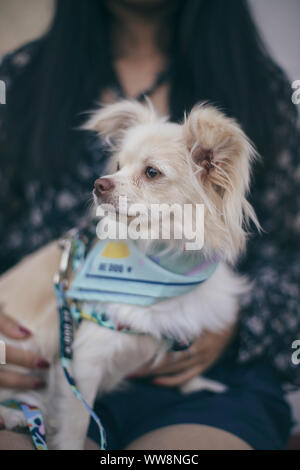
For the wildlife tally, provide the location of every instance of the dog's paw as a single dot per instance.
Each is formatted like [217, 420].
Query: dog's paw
[201, 383]
[12, 418]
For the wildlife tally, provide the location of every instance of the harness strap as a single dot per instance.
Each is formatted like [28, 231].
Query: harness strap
[66, 339]
[34, 420]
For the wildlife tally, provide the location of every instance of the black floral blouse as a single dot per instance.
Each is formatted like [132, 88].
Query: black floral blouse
[270, 315]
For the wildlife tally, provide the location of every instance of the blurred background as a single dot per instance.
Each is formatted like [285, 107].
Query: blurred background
[279, 22]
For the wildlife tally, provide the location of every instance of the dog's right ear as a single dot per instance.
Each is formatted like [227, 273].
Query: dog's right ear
[112, 120]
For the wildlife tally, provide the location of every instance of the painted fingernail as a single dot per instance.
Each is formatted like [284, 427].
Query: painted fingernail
[38, 385]
[133, 376]
[23, 331]
[41, 364]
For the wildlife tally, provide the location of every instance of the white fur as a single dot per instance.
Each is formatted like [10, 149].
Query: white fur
[103, 358]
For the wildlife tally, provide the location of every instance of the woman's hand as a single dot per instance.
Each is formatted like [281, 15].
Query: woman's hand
[179, 367]
[20, 357]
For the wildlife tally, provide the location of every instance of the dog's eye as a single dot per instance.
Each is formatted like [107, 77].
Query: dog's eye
[151, 172]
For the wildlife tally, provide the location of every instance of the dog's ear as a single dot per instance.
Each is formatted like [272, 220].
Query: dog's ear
[221, 157]
[219, 149]
[112, 120]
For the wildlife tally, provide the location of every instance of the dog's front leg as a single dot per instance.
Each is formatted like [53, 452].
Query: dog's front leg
[91, 355]
[101, 359]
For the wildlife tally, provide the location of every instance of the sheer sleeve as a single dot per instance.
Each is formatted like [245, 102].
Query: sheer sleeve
[11, 65]
[270, 317]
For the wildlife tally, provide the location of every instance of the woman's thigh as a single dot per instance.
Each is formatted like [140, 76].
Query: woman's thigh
[182, 436]
[252, 410]
[10, 440]
[188, 437]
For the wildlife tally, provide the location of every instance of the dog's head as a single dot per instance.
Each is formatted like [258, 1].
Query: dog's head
[205, 160]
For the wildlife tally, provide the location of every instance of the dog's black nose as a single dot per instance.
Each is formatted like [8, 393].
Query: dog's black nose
[103, 185]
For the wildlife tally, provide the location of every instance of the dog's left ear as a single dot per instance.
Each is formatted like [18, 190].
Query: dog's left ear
[218, 148]
[112, 120]
[221, 157]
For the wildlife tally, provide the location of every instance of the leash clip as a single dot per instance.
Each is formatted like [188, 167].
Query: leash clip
[66, 245]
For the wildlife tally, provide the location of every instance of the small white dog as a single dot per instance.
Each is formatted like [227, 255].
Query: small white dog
[206, 160]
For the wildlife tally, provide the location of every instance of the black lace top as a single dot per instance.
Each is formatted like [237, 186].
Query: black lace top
[270, 315]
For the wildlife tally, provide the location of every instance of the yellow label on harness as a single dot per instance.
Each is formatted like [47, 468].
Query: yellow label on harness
[116, 250]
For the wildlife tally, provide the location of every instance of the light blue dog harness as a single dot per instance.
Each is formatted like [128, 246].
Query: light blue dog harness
[115, 271]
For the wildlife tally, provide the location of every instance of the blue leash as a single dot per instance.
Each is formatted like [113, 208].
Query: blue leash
[66, 339]
[34, 420]
[75, 247]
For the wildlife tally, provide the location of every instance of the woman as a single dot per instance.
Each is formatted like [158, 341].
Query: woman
[178, 52]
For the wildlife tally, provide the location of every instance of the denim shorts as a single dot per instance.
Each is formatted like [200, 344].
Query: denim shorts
[253, 408]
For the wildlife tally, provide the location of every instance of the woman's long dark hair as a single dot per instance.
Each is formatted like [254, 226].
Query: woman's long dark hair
[216, 55]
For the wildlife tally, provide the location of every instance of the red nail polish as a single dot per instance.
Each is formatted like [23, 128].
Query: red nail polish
[133, 376]
[24, 331]
[41, 364]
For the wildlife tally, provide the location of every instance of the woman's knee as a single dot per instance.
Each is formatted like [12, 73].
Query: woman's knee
[189, 437]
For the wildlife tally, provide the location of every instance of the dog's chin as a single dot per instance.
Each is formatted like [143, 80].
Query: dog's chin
[99, 201]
